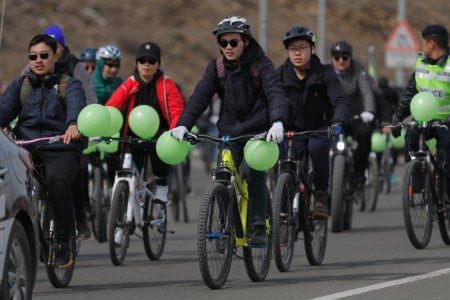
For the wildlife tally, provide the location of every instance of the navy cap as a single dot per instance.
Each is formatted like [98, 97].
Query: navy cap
[434, 30]
[55, 32]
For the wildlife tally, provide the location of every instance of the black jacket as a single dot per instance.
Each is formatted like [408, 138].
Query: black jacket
[316, 101]
[246, 107]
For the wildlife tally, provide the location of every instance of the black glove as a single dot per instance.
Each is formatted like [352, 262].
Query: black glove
[396, 131]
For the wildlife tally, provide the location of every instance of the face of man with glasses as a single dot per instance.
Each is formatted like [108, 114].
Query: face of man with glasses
[42, 59]
[299, 52]
[232, 45]
[341, 61]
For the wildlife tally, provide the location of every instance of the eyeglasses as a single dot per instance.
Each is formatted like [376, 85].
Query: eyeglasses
[42, 55]
[89, 67]
[112, 65]
[144, 60]
[301, 49]
[233, 43]
[343, 57]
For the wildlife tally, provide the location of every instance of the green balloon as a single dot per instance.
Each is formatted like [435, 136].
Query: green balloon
[116, 120]
[398, 143]
[432, 145]
[424, 107]
[94, 120]
[110, 147]
[261, 155]
[144, 121]
[378, 142]
[170, 150]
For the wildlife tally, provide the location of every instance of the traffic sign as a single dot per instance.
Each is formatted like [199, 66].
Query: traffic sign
[401, 47]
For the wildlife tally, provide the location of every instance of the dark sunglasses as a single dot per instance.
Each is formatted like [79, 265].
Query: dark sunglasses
[33, 57]
[112, 65]
[233, 43]
[343, 57]
[144, 60]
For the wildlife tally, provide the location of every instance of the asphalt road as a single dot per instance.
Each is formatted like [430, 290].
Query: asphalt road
[374, 260]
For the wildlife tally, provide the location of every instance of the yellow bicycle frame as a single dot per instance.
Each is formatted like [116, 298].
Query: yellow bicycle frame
[240, 186]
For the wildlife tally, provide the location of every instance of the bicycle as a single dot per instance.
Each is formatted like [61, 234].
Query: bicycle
[293, 207]
[223, 225]
[132, 206]
[178, 190]
[386, 167]
[424, 192]
[371, 185]
[58, 277]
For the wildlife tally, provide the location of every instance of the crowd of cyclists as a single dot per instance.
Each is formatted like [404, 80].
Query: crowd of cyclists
[304, 93]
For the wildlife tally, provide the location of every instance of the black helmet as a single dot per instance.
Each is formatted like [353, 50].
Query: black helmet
[233, 24]
[341, 47]
[298, 32]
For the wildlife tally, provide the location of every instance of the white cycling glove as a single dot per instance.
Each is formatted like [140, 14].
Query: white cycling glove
[179, 132]
[367, 116]
[276, 133]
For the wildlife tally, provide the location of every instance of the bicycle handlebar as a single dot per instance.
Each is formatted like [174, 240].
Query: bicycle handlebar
[195, 138]
[436, 123]
[290, 134]
[49, 140]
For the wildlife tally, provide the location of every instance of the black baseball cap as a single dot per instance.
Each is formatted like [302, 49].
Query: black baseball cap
[434, 30]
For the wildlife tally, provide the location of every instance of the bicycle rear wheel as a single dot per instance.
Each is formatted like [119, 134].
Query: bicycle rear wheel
[61, 277]
[284, 229]
[215, 235]
[99, 207]
[371, 185]
[118, 233]
[178, 193]
[154, 230]
[417, 204]
[315, 232]
[257, 260]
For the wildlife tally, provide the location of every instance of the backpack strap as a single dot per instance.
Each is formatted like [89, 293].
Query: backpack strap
[62, 85]
[24, 90]
[220, 67]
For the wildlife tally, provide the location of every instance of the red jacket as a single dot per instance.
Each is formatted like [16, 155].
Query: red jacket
[171, 106]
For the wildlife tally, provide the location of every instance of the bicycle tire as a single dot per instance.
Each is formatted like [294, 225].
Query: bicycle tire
[387, 165]
[257, 260]
[154, 231]
[371, 185]
[443, 211]
[99, 217]
[338, 196]
[283, 216]
[60, 278]
[315, 233]
[178, 193]
[118, 232]
[215, 235]
[182, 201]
[417, 204]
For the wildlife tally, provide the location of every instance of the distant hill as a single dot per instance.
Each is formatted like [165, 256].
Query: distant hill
[183, 28]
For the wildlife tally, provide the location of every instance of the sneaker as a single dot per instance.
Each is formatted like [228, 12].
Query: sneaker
[320, 211]
[161, 193]
[258, 238]
[83, 229]
[63, 259]
[284, 230]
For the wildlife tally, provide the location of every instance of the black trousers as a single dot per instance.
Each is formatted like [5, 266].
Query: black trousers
[362, 133]
[61, 169]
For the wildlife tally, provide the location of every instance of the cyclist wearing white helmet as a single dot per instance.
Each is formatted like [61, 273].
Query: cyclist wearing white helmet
[105, 77]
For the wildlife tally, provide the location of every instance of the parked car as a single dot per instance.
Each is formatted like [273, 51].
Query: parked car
[18, 223]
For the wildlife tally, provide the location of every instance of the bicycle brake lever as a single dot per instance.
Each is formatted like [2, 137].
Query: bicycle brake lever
[191, 138]
[260, 136]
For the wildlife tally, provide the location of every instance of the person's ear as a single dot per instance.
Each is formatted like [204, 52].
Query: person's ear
[246, 42]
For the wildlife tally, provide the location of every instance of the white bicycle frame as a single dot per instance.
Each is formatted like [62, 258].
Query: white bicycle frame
[137, 191]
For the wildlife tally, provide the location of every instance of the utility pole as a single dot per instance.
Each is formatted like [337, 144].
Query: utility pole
[321, 24]
[401, 15]
[263, 24]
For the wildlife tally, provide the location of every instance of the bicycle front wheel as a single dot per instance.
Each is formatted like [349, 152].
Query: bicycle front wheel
[118, 233]
[315, 232]
[155, 229]
[417, 204]
[371, 185]
[215, 235]
[257, 260]
[444, 210]
[284, 229]
[99, 218]
[338, 193]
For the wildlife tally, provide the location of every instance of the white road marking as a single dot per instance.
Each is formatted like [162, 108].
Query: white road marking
[383, 285]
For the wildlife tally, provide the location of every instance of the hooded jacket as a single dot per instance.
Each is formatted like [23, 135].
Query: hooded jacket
[246, 108]
[322, 100]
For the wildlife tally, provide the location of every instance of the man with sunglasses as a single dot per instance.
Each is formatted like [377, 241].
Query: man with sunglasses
[432, 74]
[357, 85]
[316, 102]
[43, 114]
[248, 106]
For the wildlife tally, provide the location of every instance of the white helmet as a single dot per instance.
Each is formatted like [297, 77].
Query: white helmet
[108, 52]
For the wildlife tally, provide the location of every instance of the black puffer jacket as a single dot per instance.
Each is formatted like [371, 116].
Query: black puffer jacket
[317, 101]
[247, 107]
